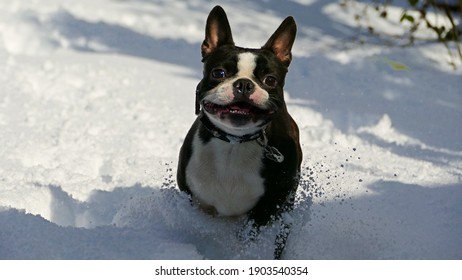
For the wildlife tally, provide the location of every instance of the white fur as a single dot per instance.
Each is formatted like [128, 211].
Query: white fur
[246, 65]
[225, 176]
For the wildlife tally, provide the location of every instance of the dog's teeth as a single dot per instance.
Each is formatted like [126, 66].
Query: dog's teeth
[238, 112]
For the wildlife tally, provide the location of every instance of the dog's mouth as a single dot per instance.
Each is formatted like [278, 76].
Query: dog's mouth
[239, 109]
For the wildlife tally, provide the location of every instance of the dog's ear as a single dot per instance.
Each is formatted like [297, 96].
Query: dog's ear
[281, 42]
[217, 32]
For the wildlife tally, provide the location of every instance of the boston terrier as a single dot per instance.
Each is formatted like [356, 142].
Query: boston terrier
[242, 155]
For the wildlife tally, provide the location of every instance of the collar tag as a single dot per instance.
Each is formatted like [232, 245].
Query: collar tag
[270, 152]
[273, 154]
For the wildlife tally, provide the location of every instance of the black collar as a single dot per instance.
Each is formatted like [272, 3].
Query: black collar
[222, 135]
[270, 152]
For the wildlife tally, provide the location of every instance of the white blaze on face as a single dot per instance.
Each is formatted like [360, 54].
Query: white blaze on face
[246, 64]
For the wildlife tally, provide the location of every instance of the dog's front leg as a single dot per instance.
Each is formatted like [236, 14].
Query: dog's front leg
[281, 240]
[251, 230]
[248, 232]
[262, 216]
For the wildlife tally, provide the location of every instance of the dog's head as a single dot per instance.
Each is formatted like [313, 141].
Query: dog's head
[242, 88]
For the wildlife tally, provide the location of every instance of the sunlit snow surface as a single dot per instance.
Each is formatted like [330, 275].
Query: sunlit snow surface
[96, 99]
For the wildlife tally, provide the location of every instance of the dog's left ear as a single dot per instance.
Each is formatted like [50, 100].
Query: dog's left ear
[281, 42]
[217, 32]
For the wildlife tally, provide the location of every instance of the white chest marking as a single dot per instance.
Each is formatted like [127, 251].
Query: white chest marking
[226, 176]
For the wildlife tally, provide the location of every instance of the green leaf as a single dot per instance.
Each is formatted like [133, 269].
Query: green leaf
[395, 65]
[407, 18]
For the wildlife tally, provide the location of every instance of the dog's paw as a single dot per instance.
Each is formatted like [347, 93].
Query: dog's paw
[248, 232]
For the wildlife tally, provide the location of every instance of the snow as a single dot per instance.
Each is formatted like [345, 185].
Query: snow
[97, 97]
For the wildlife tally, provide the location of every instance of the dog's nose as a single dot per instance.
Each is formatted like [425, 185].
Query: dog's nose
[243, 87]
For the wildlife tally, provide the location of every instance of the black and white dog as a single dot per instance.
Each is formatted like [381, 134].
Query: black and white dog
[242, 154]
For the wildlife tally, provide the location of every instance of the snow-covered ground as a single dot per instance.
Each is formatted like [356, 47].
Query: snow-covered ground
[97, 96]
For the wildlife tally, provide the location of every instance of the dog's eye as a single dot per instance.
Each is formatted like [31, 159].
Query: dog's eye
[270, 81]
[218, 73]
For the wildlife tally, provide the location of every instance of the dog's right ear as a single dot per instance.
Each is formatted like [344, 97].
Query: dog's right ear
[217, 32]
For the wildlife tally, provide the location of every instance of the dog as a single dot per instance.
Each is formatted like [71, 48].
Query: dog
[242, 155]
